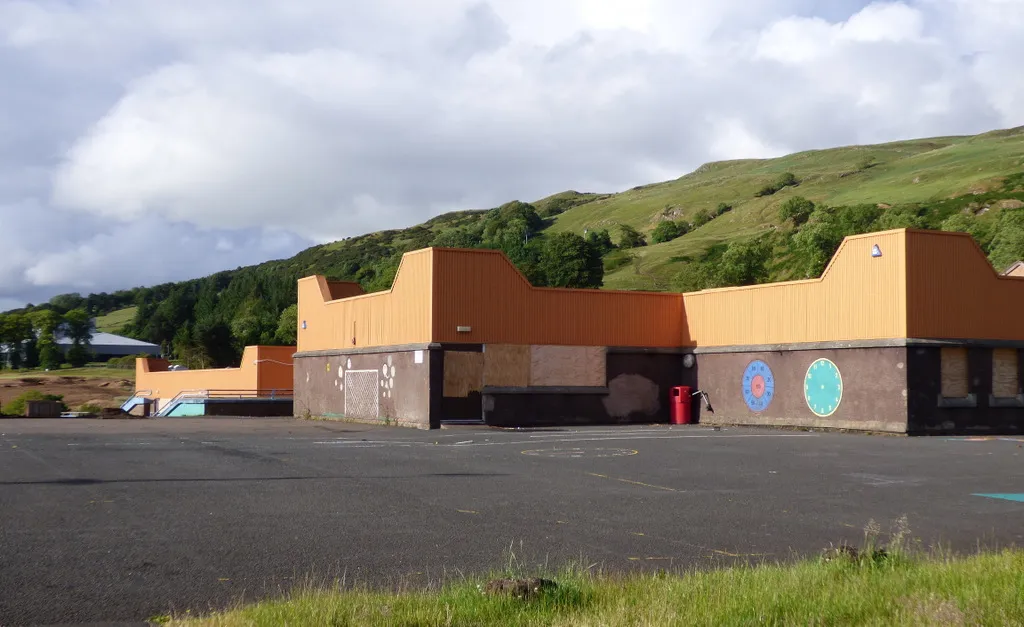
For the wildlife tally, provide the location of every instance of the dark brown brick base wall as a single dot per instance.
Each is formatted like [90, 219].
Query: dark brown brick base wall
[250, 409]
[874, 389]
[401, 387]
[637, 393]
[925, 415]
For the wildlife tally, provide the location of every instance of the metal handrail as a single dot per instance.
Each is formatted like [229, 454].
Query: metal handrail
[183, 395]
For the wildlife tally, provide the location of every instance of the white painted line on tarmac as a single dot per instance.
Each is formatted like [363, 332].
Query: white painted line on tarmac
[646, 437]
[587, 432]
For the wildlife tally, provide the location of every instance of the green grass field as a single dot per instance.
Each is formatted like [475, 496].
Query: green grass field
[986, 589]
[115, 321]
[95, 371]
[924, 170]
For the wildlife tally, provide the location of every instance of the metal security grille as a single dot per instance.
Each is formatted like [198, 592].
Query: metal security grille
[362, 394]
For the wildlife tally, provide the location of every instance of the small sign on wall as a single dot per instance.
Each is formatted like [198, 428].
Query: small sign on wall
[418, 357]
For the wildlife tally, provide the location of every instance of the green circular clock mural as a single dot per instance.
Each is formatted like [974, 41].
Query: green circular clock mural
[823, 388]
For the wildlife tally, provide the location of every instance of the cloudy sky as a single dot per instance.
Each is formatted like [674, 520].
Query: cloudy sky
[146, 141]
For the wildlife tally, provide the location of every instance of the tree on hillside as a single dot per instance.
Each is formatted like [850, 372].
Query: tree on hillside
[456, 238]
[64, 303]
[567, 260]
[816, 242]
[78, 326]
[902, 218]
[965, 222]
[213, 335]
[497, 220]
[630, 237]
[722, 208]
[787, 179]
[48, 323]
[1008, 243]
[16, 335]
[666, 231]
[600, 241]
[288, 326]
[745, 263]
[797, 209]
[701, 218]
[254, 323]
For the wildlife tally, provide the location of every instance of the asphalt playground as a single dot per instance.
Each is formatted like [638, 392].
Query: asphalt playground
[120, 521]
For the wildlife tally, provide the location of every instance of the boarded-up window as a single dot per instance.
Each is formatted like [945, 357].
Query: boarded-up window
[568, 366]
[506, 365]
[1004, 373]
[463, 373]
[954, 372]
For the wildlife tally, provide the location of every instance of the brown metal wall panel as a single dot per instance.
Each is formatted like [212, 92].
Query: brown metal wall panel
[401, 315]
[954, 293]
[483, 292]
[859, 296]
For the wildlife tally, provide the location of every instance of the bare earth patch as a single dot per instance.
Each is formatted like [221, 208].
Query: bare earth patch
[77, 391]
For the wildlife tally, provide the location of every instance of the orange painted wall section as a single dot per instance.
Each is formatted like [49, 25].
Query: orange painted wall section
[153, 380]
[401, 315]
[955, 293]
[482, 290]
[858, 297]
[273, 367]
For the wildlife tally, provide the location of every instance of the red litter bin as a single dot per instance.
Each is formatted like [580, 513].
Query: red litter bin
[679, 403]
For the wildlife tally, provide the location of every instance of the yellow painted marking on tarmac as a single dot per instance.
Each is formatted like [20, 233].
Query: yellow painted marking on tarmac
[562, 522]
[658, 559]
[639, 483]
[636, 533]
[466, 511]
[223, 579]
[634, 559]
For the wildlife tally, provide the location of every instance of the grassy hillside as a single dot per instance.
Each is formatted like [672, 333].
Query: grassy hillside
[730, 212]
[115, 321]
[918, 171]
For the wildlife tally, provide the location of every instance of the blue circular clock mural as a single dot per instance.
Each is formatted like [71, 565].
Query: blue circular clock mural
[758, 386]
[823, 388]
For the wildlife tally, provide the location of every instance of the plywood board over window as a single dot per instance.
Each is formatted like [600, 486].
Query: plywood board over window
[1004, 373]
[507, 365]
[954, 372]
[463, 373]
[568, 366]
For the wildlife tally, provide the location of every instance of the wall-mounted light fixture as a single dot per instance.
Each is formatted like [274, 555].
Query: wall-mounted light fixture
[463, 329]
[876, 251]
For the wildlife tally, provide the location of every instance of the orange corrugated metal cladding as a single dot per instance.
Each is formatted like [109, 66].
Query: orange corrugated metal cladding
[953, 292]
[860, 296]
[482, 293]
[888, 285]
[401, 315]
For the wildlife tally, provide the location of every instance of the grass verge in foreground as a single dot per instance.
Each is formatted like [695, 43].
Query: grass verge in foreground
[986, 589]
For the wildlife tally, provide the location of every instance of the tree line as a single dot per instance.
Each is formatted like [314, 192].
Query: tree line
[207, 322]
[29, 340]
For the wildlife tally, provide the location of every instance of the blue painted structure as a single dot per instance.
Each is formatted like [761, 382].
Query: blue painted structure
[823, 388]
[758, 386]
[1005, 497]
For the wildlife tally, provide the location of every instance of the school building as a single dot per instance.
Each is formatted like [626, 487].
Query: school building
[906, 331]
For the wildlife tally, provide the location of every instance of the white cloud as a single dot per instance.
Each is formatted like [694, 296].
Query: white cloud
[252, 126]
